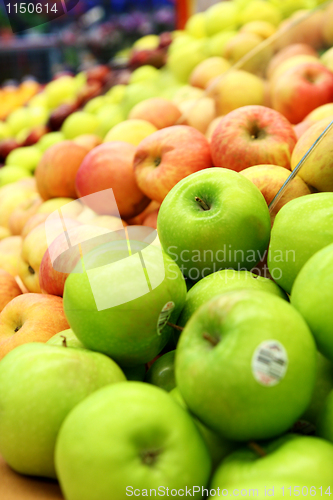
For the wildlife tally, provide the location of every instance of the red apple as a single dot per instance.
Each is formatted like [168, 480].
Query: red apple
[252, 135]
[156, 110]
[109, 166]
[55, 174]
[9, 289]
[100, 73]
[6, 146]
[30, 317]
[138, 219]
[35, 134]
[296, 49]
[302, 89]
[167, 156]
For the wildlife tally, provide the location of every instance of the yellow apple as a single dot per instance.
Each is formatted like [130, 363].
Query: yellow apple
[10, 251]
[207, 70]
[221, 16]
[132, 131]
[240, 45]
[196, 25]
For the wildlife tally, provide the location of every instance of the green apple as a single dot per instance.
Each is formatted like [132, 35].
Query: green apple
[182, 61]
[196, 25]
[67, 338]
[222, 16]
[312, 296]
[239, 368]
[12, 173]
[95, 104]
[40, 384]
[147, 42]
[18, 120]
[299, 464]
[135, 93]
[127, 438]
[116, 94]
[221, 282]
[120, 308]
[217, 43]
[325, 419]
[49, 139]
[323, 387]
[109, 116]
[60, 91]
[79, 123]
[204, 228]
[288, 7]
[5, 131]
[217, 446]
[38, 115]
[260, 10]
[145, 73]
[162, 372]
[301, 228]
[26, 157]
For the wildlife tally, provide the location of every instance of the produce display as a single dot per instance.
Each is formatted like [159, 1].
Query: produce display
[166, 329]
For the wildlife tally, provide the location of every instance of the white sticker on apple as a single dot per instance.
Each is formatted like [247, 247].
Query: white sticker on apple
[164, 316]
[269, 363]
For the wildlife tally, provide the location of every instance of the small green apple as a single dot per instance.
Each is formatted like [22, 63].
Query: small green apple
[299, 464]
[135, 93]
[116, 94]
[312, 296]
[260, 10]
[301, 228]
[288, 7]
[118, 307]
[18, 120]
[183, 60]
[129, 438]
[222, 16]
[26, 157]
[60, 91]
[67, 338]
[12, 173]
[79, 123]
[38, 115]
[162, 372]
[49, 139]
[147, 42]
[221, 282]
[109, 116]
[204, 228]
[217, 446]
[238, 365]
[5, 131]
[196, 25]
[95, 104]
[40, 384]
[145, 73]
[217, 43]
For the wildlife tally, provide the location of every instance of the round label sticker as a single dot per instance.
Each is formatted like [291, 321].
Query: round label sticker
[164, 316]
[269, 363]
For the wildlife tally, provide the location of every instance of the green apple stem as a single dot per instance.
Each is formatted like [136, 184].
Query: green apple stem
[64, 340]
[207, 336]
[202, 203]
[176, 327]
[257, 449]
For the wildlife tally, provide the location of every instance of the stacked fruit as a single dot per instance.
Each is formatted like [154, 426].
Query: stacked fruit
[136, 361]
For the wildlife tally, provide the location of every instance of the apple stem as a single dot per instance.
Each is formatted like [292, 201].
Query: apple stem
[64, 340]
[210, 338]
[257, 449]
[31, 270]
[176, 327]
[202, 203]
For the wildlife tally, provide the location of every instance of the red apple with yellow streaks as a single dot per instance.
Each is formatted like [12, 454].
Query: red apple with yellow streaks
[9, 288]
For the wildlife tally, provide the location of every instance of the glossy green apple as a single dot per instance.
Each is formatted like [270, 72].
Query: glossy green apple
[66, 338]
[312, 296]
[26, 157]
[145, 73]
[183, 60]
[221, 282]
[217, 446]
[323, 387]
[162, 372]
[109, 116]
[301, 228]
[79, 123]
[203, 226]
[126, 438]
[246, 365]
[291, 461]
[121, 308]
[12, 173]
[40, 384]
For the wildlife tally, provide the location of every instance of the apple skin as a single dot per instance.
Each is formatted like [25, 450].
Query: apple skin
[22, 213]
[88, 141]
[162, 372]
[50, 382]
[237, 406]
[11, 196]
[312, 296]
[309, 31]
[301, 228]
[208, 69]
[252, 135]
[291, 461]
[185, 227]
[56, 172]
[110, 166]
[156, 110]
[318, 169]
[132, 131]
[34, 246]
[221, 282]
[151, 219]
[36, 317]
[301, 89]
[240, 45]
[270, 178]
[102, 428]
[66, 338]
[235, 89]
[10, 252]
[293, 50]
[198, 113]
[9, 288]
[167, 156]
[135, 338]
